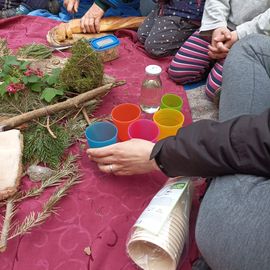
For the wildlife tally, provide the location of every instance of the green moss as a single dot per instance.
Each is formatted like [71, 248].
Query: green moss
[84, 69]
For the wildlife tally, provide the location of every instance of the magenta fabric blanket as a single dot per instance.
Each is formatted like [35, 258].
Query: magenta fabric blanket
[99, 212]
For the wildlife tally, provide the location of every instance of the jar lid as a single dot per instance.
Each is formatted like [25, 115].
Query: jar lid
[104, 43]
[153, 69]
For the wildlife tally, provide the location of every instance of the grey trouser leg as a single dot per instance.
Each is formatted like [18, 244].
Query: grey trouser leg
[233, 226]
[164, 35]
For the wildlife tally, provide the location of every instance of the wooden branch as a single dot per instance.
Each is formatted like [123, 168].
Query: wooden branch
[5, 230]
[51, 109]
[85, 115]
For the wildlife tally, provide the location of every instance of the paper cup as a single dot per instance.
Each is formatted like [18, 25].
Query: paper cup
[122, 116]
[100, 134]
[150, 256]
[171, 101]
[168, 121]
[143, 129]
[161, 250]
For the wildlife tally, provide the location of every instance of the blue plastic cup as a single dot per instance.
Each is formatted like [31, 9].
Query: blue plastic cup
[101, 134]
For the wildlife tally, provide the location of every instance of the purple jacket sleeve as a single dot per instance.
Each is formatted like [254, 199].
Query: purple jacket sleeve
[209, 148]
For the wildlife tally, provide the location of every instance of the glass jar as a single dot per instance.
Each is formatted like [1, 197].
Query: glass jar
[151, 89]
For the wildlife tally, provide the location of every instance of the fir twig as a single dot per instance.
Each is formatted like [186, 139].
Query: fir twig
[35, 219]
[69, 169]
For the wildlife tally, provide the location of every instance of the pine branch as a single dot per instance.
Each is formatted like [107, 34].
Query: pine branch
[35, 219]
[68, 169]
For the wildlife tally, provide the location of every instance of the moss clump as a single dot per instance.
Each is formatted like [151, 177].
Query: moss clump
[84, 70]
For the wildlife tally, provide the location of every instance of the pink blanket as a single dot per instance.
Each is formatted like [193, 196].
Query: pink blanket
[99, 212]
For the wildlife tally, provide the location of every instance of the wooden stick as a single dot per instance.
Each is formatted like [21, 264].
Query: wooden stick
[51, 109]
[85, 115]
[5, 229]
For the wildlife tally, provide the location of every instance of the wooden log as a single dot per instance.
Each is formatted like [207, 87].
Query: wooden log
[51, 109]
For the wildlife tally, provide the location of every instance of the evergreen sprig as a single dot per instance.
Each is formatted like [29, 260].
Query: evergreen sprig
[40, 146]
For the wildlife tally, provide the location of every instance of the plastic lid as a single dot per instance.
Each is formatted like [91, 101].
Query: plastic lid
[104, 43]
[153, 69]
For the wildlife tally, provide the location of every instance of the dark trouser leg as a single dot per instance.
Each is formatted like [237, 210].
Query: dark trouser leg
[146, 26]
[167, 35]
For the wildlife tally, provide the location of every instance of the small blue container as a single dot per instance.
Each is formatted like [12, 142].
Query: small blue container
[107, 47]
[100, 134]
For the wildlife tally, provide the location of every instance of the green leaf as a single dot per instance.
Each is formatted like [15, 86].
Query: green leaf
[3, 90]
[33, 79]
[36, 87]
[14, 80]
[54, 77]
[24, 65]
[11, 60]
[6, 69]
[49, 93]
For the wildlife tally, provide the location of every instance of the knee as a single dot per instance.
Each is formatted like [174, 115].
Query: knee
[251, 44]
[182, 75]
[153, 49]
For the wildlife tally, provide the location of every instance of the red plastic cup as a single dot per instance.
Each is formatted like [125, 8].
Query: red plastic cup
[143, 129]
[122, 116]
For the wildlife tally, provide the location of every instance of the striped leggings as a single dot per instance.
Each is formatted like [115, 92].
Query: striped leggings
[192, 64]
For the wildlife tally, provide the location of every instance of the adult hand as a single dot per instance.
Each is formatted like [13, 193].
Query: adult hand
[125, 158]
[71, 5]
[90, 22]
[217, 49]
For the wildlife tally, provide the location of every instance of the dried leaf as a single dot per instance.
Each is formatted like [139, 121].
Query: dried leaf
[87, 251]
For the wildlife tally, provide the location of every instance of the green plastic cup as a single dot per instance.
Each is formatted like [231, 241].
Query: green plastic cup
[171, 101]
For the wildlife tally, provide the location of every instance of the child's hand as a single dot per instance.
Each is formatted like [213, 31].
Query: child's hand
[71, 5]
[218, 49]
[221, 50]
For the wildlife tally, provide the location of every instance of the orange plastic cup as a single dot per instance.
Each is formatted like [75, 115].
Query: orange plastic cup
[168, 121]
[122, 116]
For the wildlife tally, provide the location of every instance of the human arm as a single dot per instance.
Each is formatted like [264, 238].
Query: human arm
[209, 148]
[260, 24]
[71, 5]
[214, 23]
[215, 15]
[222, 41]
[90, 22]
[126, 158]
[204, 148]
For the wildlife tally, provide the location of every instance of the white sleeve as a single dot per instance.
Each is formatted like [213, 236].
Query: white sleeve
[260, 24]
[215, 15]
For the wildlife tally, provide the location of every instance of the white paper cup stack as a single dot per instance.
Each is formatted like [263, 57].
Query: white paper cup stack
[161, 251]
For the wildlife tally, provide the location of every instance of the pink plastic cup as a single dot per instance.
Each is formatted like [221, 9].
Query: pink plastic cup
[143, 129]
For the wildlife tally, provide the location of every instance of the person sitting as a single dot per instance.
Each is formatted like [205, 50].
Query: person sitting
[168, 25]
[223, 23]
[18, 7]
[232, 229]
[91, 11]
